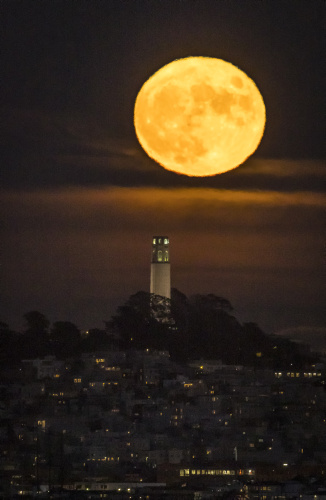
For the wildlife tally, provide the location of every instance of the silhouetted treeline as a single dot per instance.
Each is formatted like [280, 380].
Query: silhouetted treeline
[201, 326]
[63, 339]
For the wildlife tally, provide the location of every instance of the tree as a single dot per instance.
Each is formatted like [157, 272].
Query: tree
[180, 310]
[62, 331]
[37, 324]
[139, 324]
[7, 344]
[65, 338]
[96, 339]
[4, 332]
[211, 303]
[212, 326]
[36, 339]
[201, 326]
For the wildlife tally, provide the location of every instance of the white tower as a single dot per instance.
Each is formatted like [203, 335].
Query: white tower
[160, 267]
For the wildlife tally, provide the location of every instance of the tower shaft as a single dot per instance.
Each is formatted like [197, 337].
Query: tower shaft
[160, 267]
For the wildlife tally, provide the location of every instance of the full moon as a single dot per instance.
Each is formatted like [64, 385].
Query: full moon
[199, 116]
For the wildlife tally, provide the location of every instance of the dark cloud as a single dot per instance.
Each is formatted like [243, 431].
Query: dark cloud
[51, 149]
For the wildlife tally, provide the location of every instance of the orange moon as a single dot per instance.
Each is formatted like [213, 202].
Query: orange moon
[199, 116]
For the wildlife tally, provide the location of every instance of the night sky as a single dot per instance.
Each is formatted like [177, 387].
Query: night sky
[80, 200]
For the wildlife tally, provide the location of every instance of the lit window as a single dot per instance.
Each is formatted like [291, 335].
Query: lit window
[159, 255]
[154, 241]
[166, 241]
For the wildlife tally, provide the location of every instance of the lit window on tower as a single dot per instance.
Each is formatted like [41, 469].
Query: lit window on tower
[159, 256]
[166, 241]
[154, 241]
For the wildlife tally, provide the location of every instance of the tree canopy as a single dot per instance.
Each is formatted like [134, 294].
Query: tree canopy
[37, 323]
[200, 326]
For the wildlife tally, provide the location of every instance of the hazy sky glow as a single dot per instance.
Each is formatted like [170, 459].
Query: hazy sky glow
[80, 200]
